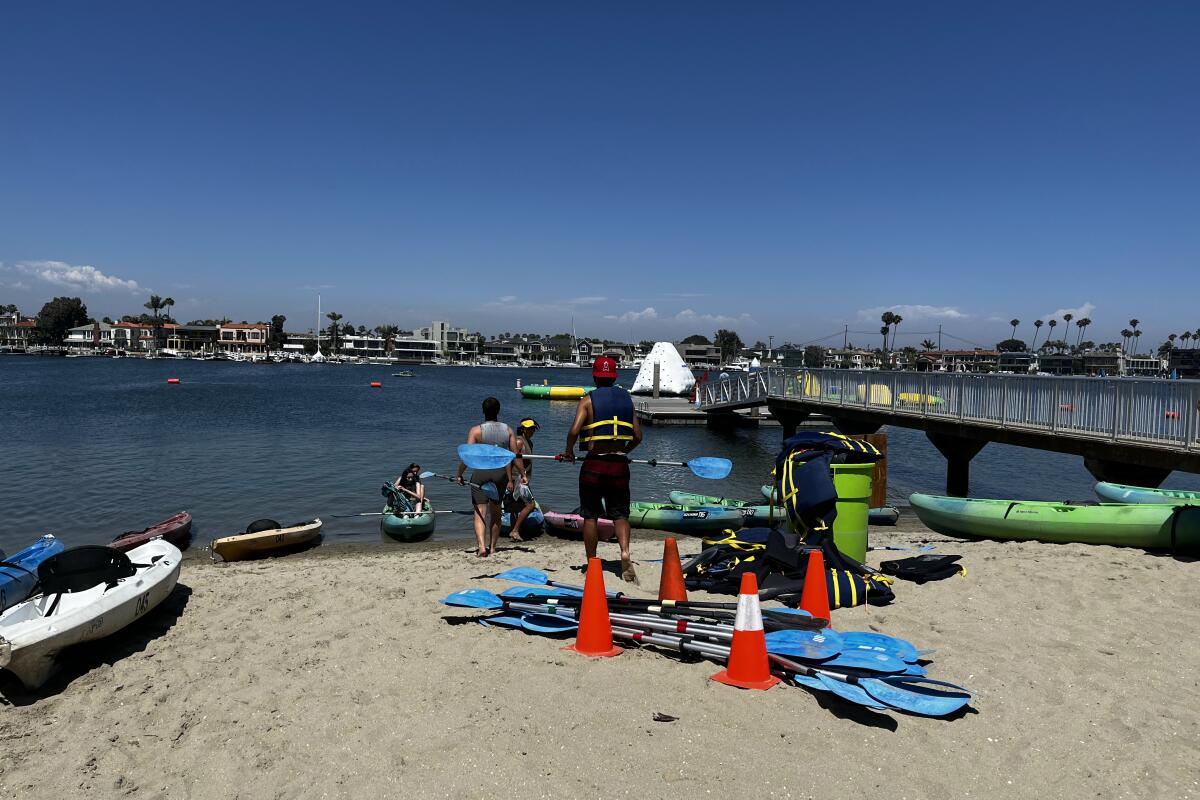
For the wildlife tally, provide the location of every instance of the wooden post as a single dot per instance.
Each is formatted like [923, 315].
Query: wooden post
[656, 376]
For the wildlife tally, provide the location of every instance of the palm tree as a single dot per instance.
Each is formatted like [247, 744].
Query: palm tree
[1053, 323]
[1067, 325]
[156, 304]
[885, 330]
[1136, 335]
[896, 320]
[928, 344]
[334, 330]
[388, 332]
[1037, 327]
[1185, 337]
[1082, 325]
[1126, 335]
[1014, 323]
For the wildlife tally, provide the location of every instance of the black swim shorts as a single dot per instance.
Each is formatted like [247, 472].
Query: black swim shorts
[604, 487]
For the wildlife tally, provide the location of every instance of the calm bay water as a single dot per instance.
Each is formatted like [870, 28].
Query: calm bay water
[93, 447]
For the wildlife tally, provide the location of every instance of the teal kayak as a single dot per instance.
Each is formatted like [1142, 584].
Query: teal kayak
[693, 520]
[1120, 493]
[407, 526]
[754, 515]
[1116, 524]
[881, 515]
[18, 572]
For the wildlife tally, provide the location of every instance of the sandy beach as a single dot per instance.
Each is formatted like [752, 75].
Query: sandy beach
[337, 673]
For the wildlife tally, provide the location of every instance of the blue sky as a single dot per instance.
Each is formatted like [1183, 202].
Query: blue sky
[651, 170]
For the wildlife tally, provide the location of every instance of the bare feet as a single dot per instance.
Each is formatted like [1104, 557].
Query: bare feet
[516, 537]
[627, 572]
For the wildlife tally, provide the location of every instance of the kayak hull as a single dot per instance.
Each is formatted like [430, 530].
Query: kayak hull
[767, 515]
[541, 392]
[533, 525]
[687, 520]
[30, 639]
[275, 542]
[177, 530]
[571, 525]
[1117, 525]
[408, 527]
[17, 582]
[1121, 493]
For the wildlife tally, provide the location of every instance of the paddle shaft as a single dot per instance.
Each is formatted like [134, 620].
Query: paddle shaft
[772, 619]
[393, 513]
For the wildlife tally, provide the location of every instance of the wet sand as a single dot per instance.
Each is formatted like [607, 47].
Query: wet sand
[336, 673]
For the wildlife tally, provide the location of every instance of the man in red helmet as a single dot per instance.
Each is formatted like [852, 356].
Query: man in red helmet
[607, 428]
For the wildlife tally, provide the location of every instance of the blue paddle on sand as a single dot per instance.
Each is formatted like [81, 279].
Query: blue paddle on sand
[489, 456]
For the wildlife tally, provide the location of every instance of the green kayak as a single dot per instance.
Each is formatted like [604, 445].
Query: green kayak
[694, 520]
[1115, 524]
[1120, 493]
[753, 514]
[406, 526]
[881, 515]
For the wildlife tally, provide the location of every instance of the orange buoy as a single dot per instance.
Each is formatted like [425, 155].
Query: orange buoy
[172, 380]
[376, 384]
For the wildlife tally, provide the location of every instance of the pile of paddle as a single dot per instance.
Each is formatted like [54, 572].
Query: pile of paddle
[869, 669]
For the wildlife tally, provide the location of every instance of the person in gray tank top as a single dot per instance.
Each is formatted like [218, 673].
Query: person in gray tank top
[487, 511]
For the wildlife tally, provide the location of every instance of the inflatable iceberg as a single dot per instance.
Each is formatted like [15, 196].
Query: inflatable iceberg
[674, 376]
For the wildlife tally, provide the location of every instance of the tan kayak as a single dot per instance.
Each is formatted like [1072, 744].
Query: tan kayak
[274, 540]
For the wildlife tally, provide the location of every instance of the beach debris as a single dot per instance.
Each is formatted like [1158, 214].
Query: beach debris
[661, 717]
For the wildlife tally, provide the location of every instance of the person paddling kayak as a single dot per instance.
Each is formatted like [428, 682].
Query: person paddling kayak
[607, 428]
[409, 483]
[520, 497]
[487, 510]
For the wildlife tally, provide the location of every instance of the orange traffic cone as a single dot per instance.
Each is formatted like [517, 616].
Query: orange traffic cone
[748, 667]
[670, 585]
[815, 597]
[595, 631]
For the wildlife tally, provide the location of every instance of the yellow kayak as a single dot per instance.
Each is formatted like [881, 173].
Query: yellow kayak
[261, 540]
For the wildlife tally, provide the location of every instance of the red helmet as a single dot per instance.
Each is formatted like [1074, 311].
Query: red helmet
[604, 367]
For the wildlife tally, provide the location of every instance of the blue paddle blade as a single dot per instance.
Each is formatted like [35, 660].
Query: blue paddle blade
[904, 650]
[524, 575]
[868, 661]
[474, 598]
[503, 620]
[806, 645]
[484, 456]
[799, 612]
[534, 592]
[548, 624]
[709, 467]
[807, 682]
[922, 696]
[848, 691]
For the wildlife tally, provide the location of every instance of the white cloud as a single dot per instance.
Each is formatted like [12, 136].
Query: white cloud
[691, 317]
[1084, 310]
[911, 313]
[508, 298]
[82, 278]
[645, 315]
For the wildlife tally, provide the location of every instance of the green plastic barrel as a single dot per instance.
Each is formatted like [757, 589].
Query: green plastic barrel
[853, 484]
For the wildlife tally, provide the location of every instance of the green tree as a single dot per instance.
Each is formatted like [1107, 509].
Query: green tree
[1037, 327]
[276, 336]
[388, 333]
[729, 343]
[928, 344]
[334, 318]
[1125, 334]
[8, 309]
[1014, 322]
[58, 316]
[885, 330]
[310, 346]
[1082, 325]
[1137, 335]
[1011, 346]
[696, 338]
[896, 320]
[1052, 323]
[814, 356]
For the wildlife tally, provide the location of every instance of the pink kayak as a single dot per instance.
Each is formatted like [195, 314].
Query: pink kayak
[572, 525]
[176, 530]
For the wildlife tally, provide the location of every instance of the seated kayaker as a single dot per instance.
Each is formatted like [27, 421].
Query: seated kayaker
[520, 496]
[411, 488]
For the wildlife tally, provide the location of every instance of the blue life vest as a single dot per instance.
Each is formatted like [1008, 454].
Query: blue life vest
[612, 416]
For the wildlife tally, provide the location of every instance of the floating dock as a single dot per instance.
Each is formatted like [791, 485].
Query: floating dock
[680, 411]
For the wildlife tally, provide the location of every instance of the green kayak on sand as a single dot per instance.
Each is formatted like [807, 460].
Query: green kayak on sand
[693, 520]
[881, 515]
[754, 514]
[1175, 528]
[1120, 493]
[407, 526]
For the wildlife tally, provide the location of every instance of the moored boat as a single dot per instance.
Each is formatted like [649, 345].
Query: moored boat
[693, 520]
[18, 572]
[1122, 493]
[126, 588]
[266, 537]
[176, 529]
[1175, 528]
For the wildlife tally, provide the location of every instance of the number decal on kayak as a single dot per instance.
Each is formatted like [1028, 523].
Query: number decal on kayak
[695, 515]
[143, 604]
[747, 511]
[279, 538]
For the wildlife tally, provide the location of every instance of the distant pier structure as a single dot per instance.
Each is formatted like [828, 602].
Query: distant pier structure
[1128, 430]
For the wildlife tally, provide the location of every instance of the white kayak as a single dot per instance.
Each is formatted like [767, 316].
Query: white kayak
[34, 632]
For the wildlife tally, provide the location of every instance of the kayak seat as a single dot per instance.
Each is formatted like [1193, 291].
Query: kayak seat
[78, 569]
[260, 525]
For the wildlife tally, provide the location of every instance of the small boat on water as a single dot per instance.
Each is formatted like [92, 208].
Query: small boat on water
[266, 537]
[1121, 493]
[404, 373]
[90, 593]
[18, 572]
[177, 530]
[571, 525]
[402, 525]
[1156, 526]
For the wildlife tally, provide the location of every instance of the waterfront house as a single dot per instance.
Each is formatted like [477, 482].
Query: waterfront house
[1110, 362]
[977, 360]
[193, 338]
[90, 337]
[1185, 361]
[16, 332]
[1060, 364]
[243, 337]
[362, 345]
[414, 350]
[457, 343]
[700, 356]
[1019, 363]
[851, 358]
[1149, 366]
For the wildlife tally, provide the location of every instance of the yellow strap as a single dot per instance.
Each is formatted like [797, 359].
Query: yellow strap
[616, 424]
[837, 594]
